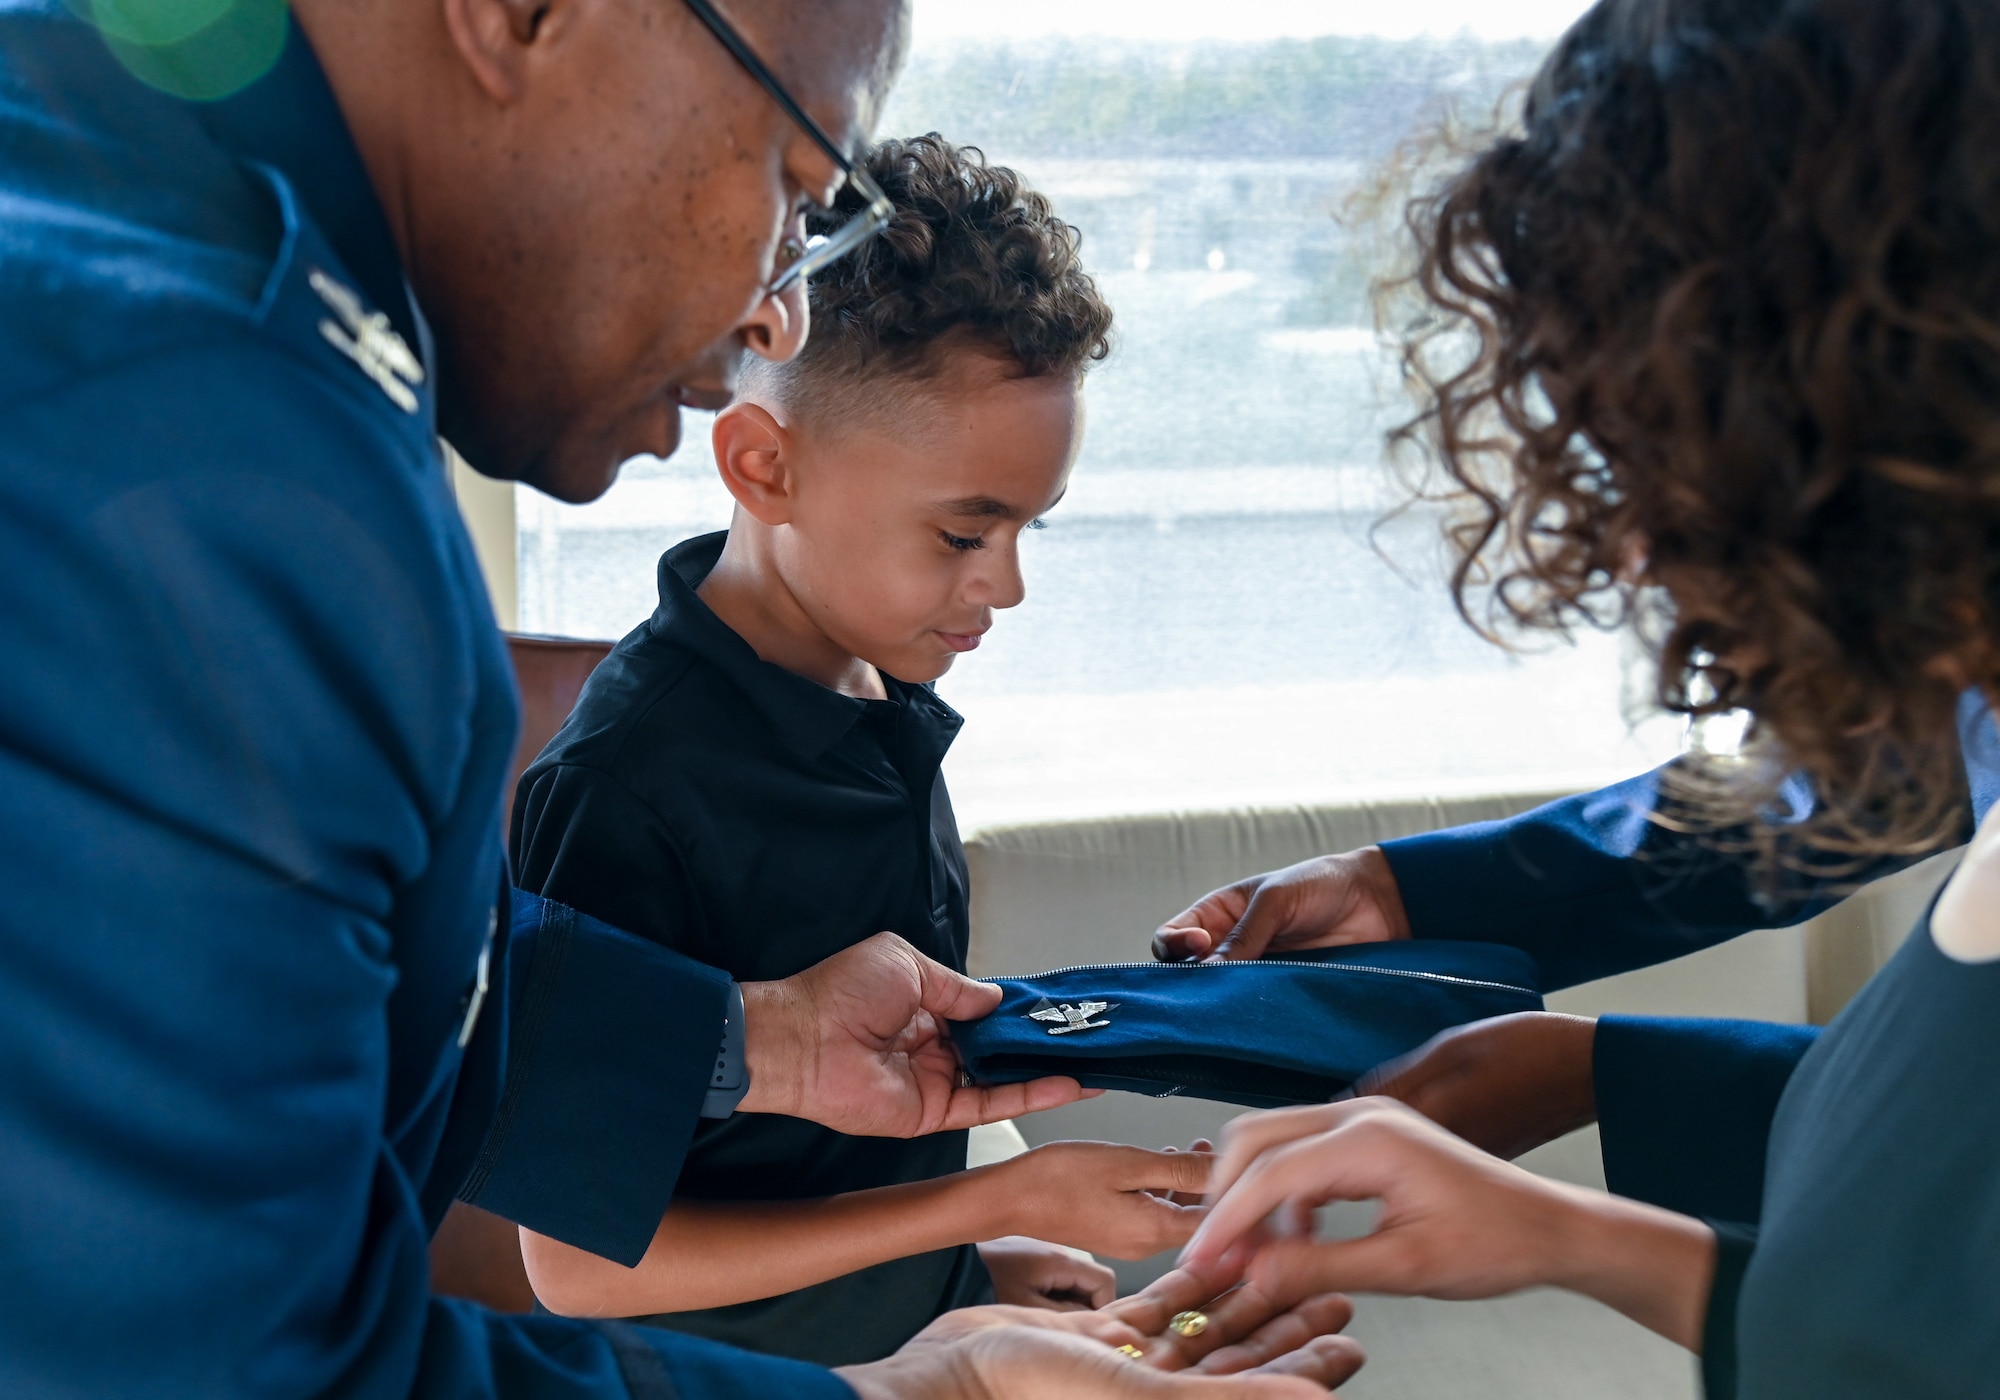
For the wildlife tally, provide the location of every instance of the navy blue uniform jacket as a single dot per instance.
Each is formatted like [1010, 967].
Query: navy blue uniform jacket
[254, 728]
[1590, 886]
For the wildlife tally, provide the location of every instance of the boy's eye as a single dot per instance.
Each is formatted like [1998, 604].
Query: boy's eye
[1038, 524]
[961, 541]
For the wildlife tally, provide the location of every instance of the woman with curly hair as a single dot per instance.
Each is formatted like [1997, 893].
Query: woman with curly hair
[1714, 344]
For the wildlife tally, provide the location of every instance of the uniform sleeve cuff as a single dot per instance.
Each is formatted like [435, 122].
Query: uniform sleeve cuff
[1684, 1107]
[1734, 1244]
[612, 1042]
[662, 1365]
[1432, 868]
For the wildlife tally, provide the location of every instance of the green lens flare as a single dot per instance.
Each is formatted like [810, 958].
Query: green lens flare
[200, 50]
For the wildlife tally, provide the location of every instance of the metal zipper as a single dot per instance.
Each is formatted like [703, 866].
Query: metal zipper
[1289, 962]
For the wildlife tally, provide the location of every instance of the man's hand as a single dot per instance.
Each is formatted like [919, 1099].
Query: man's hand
[858, 1043]
[1317, 903]
[1504, 1085]
[1253, 1348]
[1455, 1222]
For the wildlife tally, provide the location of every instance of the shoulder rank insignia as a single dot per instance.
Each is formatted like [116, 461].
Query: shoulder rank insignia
[1069, 1019]
[367, 338]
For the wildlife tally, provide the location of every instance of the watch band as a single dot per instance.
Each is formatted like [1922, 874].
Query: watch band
[731, 1080]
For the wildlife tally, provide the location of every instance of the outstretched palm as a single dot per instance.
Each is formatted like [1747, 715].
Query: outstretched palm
[1253, 1348]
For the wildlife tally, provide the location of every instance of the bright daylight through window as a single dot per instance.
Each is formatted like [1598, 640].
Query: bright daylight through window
[1218, 613]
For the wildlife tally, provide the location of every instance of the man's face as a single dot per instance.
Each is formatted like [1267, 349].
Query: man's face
[903, 537]
[606, 264]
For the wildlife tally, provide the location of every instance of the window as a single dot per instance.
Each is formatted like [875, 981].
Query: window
[1211, 617]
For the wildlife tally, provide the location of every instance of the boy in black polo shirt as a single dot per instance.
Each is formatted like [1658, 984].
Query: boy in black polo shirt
[753, 775]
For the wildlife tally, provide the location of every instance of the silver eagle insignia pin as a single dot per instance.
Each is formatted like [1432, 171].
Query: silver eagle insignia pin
[1069, 1018]
[367, 338]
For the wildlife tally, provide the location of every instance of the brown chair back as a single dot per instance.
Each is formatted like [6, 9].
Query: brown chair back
[551, 672]
[476, 1254]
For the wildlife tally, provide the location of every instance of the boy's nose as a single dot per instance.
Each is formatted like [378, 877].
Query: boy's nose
[1006, 587]
[777, 328]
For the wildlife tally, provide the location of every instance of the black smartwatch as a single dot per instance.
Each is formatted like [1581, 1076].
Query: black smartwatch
[731, 1080]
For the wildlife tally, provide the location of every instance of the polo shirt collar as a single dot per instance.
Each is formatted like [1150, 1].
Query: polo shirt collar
[289, 119]
[807, 716]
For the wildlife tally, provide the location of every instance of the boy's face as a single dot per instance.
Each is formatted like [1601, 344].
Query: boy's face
[904, 531]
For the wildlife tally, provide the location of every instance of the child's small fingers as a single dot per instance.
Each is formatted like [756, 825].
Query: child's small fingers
[1172, 1170]
[1083, 1278]
[1199, 1147]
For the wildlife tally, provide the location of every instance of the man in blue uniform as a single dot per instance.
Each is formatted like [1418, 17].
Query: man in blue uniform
[1591, 886]
[266, 1004]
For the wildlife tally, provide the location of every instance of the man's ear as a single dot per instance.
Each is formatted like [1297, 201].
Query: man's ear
[493, 39]
[753, 454]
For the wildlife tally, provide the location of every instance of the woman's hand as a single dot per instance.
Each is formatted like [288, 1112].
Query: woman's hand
[1125, 1202]
[1031, 1273]
[1253, 1348]
[1505, 1085]
[1317, 903]
[1455, 1222]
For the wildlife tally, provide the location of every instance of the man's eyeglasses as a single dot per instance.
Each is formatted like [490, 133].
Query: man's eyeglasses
[847, 229]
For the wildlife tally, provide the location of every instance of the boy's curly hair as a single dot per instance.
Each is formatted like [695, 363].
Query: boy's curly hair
[972, 256]
[1714, 342]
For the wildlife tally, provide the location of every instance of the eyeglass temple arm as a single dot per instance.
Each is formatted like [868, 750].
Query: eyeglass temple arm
[726, 34]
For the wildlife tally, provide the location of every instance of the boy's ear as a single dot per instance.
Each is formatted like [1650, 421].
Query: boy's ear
[753, 454]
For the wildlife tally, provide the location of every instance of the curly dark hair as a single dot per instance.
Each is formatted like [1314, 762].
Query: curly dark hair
[1714, 345]
[972, 256]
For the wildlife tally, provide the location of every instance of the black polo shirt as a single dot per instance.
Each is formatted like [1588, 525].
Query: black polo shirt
[759, 822]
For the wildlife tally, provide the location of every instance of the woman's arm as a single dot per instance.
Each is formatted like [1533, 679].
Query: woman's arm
[1455, 1222]
[706, 1254]
[1588, 885]
[1684, 1104]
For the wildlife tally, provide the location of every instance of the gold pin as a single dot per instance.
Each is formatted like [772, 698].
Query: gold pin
[1189, 1323]
[1129, 1350]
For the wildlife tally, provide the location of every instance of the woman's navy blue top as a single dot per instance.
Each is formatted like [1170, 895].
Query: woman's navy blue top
[759, 822]
[1874, 1273]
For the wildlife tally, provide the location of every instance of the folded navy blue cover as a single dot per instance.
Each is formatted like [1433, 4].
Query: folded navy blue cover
[1276, 1031]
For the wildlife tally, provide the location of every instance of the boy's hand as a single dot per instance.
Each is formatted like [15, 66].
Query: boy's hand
[1127, 1202]
[1254, 1348]
[1318, 903]
[858, 1043]
[1036, 1274]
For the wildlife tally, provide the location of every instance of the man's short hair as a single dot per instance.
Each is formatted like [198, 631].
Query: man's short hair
[973, 258]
